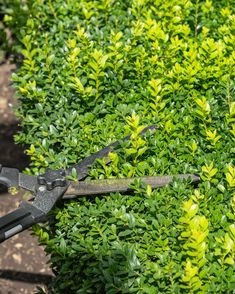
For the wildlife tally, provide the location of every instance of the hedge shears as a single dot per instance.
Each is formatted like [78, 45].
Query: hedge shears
[48, 188]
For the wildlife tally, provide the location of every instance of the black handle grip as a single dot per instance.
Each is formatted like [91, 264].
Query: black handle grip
[19, 220]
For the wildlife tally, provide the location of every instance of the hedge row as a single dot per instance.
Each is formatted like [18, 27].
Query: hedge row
[95, 71]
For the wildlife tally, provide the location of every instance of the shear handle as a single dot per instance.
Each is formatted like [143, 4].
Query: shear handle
[19, 220]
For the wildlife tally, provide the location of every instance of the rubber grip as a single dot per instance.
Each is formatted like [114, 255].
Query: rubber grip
[19, 220]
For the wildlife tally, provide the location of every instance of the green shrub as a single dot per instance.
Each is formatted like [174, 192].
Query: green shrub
[95, 71]
[15, 14]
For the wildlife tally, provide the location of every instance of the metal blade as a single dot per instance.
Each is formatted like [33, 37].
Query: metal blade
[28, 182]
[9, 177]
[13, 180]
[96, 187]
[82, 168]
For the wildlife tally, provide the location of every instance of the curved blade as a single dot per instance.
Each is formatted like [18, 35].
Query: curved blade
[9, 177]
[28, 182]
[82, 168]
[12, 178]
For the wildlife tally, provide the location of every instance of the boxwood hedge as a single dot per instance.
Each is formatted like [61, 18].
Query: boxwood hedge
[95, 71]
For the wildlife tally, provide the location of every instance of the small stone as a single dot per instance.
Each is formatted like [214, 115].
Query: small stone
[42, 270]
[18, 245]
[17, 258]
[3, 103]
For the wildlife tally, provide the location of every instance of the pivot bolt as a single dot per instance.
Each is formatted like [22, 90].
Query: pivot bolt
[52, 179]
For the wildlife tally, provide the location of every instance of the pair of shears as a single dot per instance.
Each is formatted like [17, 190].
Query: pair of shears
[48, 188]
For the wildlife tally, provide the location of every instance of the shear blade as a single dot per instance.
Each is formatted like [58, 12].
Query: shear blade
[96, 187]
[82, 168]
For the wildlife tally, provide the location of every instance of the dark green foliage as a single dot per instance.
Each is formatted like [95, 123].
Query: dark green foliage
[95, 71]
[13, 17]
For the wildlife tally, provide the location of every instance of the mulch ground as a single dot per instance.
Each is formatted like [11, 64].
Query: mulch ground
[23, 263]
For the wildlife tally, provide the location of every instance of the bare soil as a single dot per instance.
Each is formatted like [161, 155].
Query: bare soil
[23, 263]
